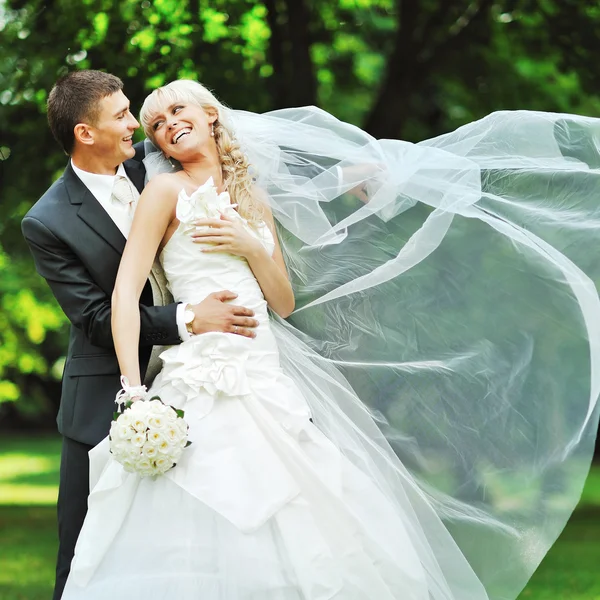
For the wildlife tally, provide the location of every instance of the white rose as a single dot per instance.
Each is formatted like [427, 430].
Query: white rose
[149, 451]
[119, 432]
[155, 469]
[138, 440]
[156, 437]
[181, 426]
[139, 424]
[166, 410]
[117, 447]
[164, 447]
[157, 421]
[144, 464]
[155, 407]
[172, 434]
[133, 452]
[150, 441]
[138, 406]
[125, 419]
[113, 432]
[163, 463]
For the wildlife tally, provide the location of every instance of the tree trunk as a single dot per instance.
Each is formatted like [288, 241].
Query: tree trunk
[391, 108]
[303, 86]
[278, 81]
[405, 83]
[293, 81]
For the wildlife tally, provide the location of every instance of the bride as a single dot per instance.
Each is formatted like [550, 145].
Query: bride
[445, 314]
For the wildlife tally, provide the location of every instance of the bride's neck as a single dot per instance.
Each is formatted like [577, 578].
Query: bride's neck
[203, 166]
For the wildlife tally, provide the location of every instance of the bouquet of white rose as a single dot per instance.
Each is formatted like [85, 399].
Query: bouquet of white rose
[146, 436]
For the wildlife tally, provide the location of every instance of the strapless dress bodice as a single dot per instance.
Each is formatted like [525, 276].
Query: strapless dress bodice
[192, 274]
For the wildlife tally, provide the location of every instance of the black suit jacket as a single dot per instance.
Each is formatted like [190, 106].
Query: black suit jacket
[77, 248]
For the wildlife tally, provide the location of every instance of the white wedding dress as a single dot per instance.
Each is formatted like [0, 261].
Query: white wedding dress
[262, 506]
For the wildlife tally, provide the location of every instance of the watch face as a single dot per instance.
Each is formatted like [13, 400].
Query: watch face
[188, 316]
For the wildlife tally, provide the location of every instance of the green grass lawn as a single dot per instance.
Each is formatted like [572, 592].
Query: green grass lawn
[28, 484]
[28, 540]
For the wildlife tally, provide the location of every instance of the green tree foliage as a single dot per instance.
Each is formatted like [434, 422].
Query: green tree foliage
[398, 68]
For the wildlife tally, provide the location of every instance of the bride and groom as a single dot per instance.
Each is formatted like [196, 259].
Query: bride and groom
[265, 503]
[77, 233]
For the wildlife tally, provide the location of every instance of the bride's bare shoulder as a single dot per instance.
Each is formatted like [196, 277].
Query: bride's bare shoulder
[163, 187]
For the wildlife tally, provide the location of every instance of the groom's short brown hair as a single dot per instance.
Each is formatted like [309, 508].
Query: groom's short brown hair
[74, 99]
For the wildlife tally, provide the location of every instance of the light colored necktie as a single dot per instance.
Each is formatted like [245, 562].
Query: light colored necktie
[125, 194]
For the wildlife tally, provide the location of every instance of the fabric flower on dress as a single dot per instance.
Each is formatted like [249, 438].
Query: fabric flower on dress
[204, 203]
[213, 361]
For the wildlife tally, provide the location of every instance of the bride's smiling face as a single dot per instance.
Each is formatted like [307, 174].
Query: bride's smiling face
[182, 129]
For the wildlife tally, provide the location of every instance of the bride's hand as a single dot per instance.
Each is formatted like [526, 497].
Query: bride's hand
[226, 235]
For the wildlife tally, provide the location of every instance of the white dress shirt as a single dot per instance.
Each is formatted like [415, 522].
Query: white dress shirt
[101, 187]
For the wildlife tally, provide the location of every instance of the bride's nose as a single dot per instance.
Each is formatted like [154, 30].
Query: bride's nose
[172, 123]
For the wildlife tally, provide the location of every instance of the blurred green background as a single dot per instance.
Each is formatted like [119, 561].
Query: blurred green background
[407, 69]
[399, 69]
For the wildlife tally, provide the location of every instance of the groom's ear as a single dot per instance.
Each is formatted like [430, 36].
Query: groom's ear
[83, 134]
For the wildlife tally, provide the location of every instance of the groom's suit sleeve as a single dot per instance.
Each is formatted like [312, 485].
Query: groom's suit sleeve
[85, 303]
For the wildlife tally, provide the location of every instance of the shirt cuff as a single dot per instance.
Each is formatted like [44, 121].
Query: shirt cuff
[181, 327]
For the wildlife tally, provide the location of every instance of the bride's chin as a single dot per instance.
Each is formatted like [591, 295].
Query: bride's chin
[183, 157]
[187, 154]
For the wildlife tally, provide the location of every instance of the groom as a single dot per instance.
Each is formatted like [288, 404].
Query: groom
[77, 233]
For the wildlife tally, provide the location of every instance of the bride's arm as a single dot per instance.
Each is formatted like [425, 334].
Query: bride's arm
[155, 210]
[271, 273]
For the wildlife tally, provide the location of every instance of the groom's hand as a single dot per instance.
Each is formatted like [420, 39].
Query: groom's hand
[215, 314]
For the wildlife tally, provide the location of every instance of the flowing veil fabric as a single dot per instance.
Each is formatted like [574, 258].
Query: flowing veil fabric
[446, 331]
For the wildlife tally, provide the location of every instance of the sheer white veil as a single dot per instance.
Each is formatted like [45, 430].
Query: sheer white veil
[446, 331]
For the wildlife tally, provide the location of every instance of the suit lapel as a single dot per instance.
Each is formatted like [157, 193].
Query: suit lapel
[91, 211]
[136, 172]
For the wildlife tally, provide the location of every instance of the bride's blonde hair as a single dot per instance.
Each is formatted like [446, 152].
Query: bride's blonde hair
[234, 164]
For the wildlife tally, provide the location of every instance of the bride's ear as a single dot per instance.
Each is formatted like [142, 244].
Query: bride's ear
[211, 115]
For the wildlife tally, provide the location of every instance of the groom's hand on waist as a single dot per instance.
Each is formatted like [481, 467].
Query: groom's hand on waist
[214, 313]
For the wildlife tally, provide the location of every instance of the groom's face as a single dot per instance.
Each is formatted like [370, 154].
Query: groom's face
[114, 128]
